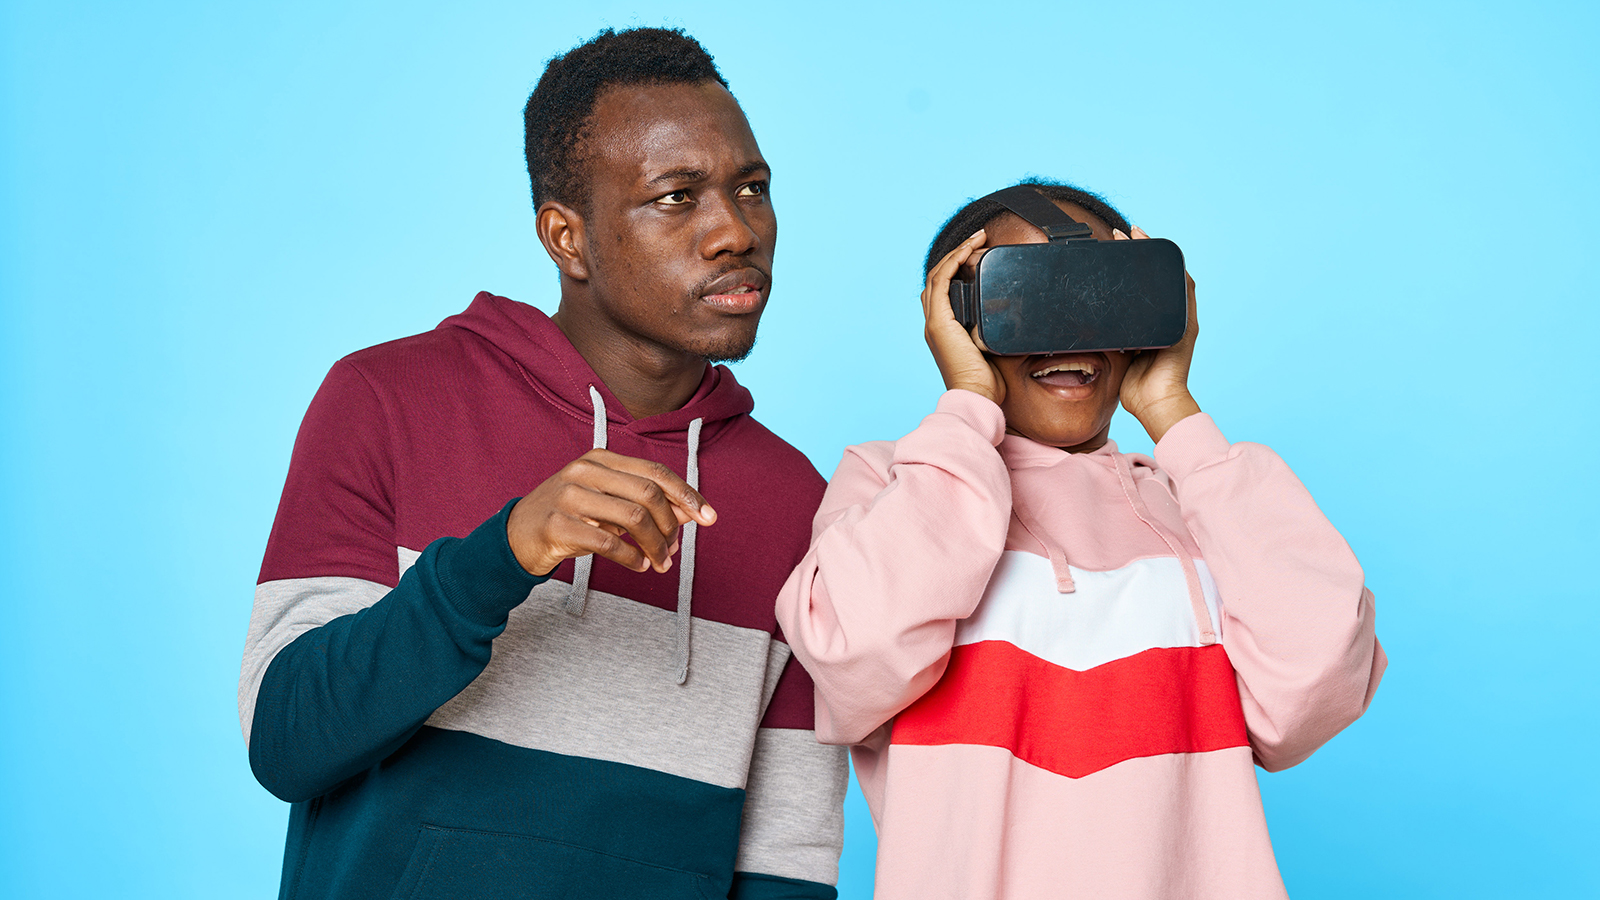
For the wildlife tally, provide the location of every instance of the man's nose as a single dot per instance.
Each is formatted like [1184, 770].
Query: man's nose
[729, 231]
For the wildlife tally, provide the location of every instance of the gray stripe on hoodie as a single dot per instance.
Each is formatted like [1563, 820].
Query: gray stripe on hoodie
[286, 609]
[555, 681]
[794, 810]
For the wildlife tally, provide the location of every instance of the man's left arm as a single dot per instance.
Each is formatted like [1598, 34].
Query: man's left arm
[793, 826]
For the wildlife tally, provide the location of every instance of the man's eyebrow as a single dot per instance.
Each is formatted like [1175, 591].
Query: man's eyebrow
[677, 176]
[690, 176]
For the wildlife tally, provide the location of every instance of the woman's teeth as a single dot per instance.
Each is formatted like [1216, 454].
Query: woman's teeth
[1071, 372]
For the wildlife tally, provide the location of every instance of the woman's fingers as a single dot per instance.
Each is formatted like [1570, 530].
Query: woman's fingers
[960, 362]
[937, 288]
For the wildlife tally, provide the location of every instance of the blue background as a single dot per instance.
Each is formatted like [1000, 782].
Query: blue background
[1388, 209]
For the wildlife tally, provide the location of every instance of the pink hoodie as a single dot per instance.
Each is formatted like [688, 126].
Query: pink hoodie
[1058, 669]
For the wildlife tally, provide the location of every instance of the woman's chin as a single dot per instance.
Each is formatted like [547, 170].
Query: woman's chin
[1072, 440]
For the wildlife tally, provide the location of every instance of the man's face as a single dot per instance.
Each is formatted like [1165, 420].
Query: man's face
[679, 229]
[1067, 399]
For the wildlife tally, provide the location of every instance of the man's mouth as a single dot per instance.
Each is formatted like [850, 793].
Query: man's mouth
[736, 292]
[1068, 371]
[743, 298]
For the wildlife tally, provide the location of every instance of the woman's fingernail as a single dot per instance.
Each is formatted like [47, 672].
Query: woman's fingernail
[1117, 232]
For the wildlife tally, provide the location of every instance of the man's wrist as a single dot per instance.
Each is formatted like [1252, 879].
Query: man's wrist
[479, 574]
[523, 550]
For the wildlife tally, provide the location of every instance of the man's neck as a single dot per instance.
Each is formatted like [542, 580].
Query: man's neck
[649, 379]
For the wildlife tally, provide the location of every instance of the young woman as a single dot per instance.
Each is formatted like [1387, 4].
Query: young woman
[1058, 664]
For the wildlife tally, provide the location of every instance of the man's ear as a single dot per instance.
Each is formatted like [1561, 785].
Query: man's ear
[560, 230]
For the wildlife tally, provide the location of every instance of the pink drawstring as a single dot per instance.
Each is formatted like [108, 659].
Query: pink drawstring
[1058, 556]
[1197, 597]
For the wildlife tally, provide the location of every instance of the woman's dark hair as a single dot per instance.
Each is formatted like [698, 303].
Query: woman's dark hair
[558, 110]
[979, 213]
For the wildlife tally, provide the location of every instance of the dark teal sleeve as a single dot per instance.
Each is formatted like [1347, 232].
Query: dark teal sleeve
[343, 696]
[750, 886]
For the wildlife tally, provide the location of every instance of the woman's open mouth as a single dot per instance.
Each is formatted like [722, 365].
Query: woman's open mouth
[1068, 371]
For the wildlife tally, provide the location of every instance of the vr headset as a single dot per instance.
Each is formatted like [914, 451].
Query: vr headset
[1074, 294]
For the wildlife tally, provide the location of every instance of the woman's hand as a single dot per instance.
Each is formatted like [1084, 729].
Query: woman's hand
[962, 364]
[1156, 388]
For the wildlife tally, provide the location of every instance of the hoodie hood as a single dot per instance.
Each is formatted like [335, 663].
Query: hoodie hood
[556, 370]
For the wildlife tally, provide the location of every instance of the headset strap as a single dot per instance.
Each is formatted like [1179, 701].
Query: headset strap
[1037, 210]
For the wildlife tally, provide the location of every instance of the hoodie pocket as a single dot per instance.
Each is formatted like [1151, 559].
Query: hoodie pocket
[485, 865]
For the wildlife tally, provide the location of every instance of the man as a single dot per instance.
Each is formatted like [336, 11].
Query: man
[586, 695]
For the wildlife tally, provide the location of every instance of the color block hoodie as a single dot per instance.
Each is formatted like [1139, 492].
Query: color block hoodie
[1058, 670]
[447, 725]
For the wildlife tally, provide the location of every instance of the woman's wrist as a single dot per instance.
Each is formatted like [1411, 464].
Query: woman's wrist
[1159, 417]
[982, 390]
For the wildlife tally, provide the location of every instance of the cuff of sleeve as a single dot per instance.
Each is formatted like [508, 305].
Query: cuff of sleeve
[752, 886]
[480, 575]
[1193, 442]
[963, 426]
[978, 413]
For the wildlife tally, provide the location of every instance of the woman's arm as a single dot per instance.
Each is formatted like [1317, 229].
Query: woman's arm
[905, 541]
[1297, 617]
[903, 546]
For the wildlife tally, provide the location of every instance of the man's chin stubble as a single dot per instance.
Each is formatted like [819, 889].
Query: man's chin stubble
[729, 352]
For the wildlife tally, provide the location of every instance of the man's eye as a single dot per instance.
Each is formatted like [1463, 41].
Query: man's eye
[675, 198]
[753, 189]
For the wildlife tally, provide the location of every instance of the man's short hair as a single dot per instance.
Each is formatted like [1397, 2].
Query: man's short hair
[980, 212]
[558, 111]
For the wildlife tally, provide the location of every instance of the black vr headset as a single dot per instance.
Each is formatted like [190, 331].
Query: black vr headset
[1074, 294]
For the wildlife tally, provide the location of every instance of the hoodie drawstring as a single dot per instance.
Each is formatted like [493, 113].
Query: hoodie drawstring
[578, 598]
[1058, 554]
[583, 565]
[1191, 573]
[680, 637]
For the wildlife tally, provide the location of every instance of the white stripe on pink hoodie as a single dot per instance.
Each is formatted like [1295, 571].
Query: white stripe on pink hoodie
[1057, 669]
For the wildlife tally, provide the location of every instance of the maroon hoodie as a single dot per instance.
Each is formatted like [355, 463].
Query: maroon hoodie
[397, 652]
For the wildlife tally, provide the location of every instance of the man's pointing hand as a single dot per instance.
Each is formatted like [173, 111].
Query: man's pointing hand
[596, 501]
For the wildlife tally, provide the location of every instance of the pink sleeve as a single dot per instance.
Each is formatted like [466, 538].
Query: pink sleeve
[1297, 619]
[902, 547]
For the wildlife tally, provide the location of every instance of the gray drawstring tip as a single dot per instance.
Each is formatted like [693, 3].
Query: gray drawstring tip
[578, 597]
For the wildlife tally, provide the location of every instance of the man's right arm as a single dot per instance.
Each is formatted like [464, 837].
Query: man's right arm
[344, 662]
[345, 694]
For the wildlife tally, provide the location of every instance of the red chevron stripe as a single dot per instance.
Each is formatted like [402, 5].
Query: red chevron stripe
[1166, 700]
